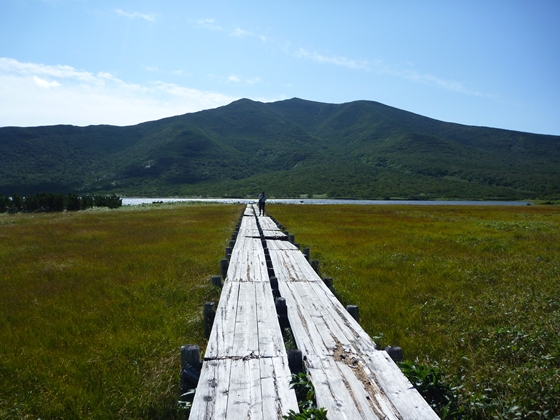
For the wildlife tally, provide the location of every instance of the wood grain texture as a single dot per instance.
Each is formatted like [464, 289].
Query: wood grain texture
[245, 374]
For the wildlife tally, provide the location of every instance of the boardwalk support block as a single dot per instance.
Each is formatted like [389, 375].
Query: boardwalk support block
[295, 361]
[217, 281]
[354, 311]
[208, 313]
[315, 265]
[190, 366]
[395, 352]
[224, 267]
[282, 311]
[328, 282]
[306, 253]
[274, 287]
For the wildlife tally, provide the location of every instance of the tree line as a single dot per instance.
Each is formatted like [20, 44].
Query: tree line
[51, 202]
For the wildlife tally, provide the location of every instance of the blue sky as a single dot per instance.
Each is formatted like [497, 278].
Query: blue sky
[489, 63]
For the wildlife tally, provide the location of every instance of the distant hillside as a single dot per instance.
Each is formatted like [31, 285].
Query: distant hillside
[290, 148]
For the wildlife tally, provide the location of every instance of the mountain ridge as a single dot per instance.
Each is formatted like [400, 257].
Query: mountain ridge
[294, 147]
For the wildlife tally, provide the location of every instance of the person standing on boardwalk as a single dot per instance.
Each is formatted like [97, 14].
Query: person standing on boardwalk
[262, 201]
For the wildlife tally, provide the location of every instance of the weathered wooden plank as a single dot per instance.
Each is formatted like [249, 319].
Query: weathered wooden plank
[274, 234]
[247, 262]
[306, 335]
[331, 392]
[220, 342]
[291, 266]
[210, 399]
[271, 343]
[245, 334]
[267, 223]
[277, 245]
[325, 331]
[277, 397]
[368, 407]
[397, 388]
[244, 394]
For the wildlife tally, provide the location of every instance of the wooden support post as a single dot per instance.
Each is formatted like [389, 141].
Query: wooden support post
[295, 361]
[190, 356]
[208, 314]
[231, 244]
[328, 282]
[224, 267]
[282, 311]
[217, 281]
[274, 283]
[354, 311]
[190, 366]
[315, 265]
[306, 253]
[291, 238]
[228, 252]
[395, 352]
[274, 287]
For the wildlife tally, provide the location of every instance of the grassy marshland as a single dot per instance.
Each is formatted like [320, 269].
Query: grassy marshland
[475, 290]
[95, 305]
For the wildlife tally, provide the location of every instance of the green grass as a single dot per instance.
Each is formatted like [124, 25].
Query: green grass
[95, 305]
[474, 290]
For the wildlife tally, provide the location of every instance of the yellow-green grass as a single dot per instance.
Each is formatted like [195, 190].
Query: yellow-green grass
[95, 305]
[475, 289]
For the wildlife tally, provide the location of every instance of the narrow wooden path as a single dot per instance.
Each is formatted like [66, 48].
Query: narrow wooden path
[245, 373]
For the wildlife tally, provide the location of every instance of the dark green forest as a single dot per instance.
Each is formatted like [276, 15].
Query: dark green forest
[289, 148]
[53, 202]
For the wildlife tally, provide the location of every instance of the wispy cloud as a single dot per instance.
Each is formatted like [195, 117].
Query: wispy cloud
[45, 83]
[241, 33]
[135, 15]
[233, 78]
[38, 94]
[415, 76]
[336, 60]
[209, 24]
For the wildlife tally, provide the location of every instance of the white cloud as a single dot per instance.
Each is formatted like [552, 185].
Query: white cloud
[45, 83]
[209, 24]
[240, 33]
[134, 15]
[36, 94]
[336, 60]
[428, 79]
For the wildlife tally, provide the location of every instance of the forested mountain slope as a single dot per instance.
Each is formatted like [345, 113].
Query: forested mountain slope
[360, 149]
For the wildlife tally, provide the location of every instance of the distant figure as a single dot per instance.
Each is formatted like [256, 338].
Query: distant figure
[262, 201]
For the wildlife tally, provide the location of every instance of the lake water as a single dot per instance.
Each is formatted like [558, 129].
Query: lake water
[136, 201]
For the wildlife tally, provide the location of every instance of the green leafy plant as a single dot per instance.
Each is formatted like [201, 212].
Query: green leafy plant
[429, 381]
[307, 414]
[305, 392]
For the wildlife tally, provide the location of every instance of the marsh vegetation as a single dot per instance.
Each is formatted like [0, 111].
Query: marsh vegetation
[471, 291]
[95, 305]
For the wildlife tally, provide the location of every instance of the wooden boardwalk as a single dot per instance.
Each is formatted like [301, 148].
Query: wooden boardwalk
[245, 374]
